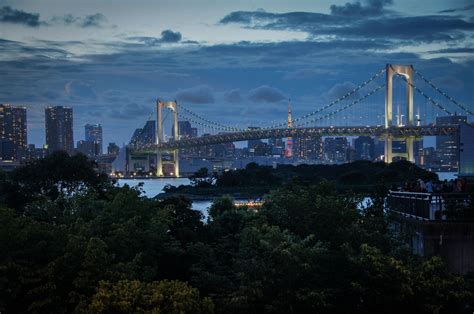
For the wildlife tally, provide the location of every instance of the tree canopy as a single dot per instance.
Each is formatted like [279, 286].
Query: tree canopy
[79, 244]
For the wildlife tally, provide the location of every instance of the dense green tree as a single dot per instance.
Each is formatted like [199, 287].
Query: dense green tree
[77, 243]
[127, 296]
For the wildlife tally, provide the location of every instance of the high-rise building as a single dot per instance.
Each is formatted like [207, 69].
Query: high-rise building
[335, 149]
[87, 148]
[59, 126]
[277, 147]
[145, 135]
[113, 149]
[447, 146]
[364, 148]
[94, 134]
[308, 147]
[185, 130]
[13, 129]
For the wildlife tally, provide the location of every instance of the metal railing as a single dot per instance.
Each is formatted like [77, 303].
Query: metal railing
[432, 206]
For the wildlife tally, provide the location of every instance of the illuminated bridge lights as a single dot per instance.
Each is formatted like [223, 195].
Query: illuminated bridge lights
[376, 131]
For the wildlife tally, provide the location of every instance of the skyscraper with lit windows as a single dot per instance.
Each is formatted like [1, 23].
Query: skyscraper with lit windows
[13, 132]
[59, 128]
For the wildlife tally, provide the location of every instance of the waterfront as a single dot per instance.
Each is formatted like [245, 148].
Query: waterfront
[153, 187]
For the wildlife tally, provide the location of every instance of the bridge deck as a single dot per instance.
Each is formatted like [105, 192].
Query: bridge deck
[378, 131]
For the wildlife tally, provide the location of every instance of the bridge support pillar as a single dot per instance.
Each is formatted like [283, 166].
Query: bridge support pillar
[407, 72]
[388, 148]
[173, 106]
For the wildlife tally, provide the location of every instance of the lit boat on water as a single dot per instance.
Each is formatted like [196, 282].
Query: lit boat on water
[250, 203]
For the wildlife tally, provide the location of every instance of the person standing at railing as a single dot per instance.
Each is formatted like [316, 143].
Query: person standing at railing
[429, 186]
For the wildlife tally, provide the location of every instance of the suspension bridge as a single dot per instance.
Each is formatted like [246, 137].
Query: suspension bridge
[307, 125]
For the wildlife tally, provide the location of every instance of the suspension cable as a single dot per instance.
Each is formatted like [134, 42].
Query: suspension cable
[208, 121]
[338, 100]
[347, 106]
[444, 94]
[431, 100]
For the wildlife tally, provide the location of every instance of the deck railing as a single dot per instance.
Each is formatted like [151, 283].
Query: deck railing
[432, 206]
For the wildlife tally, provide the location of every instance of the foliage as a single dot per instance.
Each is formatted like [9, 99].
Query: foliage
[133, 296]
[90, 246]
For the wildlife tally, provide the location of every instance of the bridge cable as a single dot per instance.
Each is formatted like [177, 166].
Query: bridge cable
[431, 100]
[444, 94]
[350, 93]
[347, 106]
[208, 121]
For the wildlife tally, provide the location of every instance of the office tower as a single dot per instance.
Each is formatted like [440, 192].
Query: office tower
[364, 148]
[59, 126]
[12, 131]
[335, 149]
[185, 130]
[94, 134]
[145, 135]
[113, 149]
[277, 147]
[87, 148]
[308, 147]
[447, 146]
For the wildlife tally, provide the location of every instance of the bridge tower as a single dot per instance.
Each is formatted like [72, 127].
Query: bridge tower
[407, 72]
[173, 106]
[289, 140]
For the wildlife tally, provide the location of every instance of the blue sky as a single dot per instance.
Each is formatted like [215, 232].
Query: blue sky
[236, 62]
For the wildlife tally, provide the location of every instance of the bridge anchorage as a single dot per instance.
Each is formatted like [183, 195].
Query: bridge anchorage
[166, 152]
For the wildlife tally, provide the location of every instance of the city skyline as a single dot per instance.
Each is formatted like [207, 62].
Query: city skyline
[252, 56]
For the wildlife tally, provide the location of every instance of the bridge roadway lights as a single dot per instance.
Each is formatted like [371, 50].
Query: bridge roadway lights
[397, 134]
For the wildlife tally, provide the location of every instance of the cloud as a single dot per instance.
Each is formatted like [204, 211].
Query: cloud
[265, 94]
[390, 28]
[372, 8]
[130, 111]
[94, 20]
[454, 50]
[340, 90]
[466, 8]
[233, 96]
[79, 90]
[197, 95]
[302, 74]
[10, 15]
[167, 37]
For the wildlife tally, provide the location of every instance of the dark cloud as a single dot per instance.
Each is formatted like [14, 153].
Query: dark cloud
[340, 89]
[371, 8]
[233, 95]
[454, 50]
[466, 8]
[129, 111]
[94, 20]
[167, 37]
[10, 15]
[428, 28]
[265, 94]
[197, 95]
[449, 82]
[79, 90]
[67, 19]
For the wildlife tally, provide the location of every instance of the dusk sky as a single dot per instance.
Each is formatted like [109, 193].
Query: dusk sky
[236, 62]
